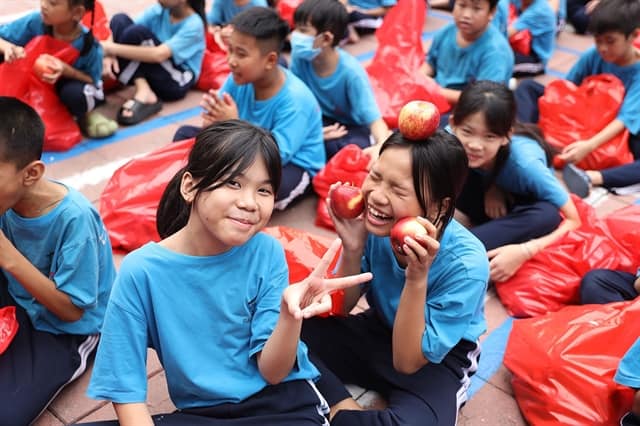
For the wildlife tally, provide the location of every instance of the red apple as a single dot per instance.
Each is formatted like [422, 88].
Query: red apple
[418, 120]
[405, 227]
[347, 201]
[43, 65]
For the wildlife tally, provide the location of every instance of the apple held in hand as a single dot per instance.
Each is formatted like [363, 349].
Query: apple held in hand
[405, 227]
[347, 201]
[418, 120]
[43, 65]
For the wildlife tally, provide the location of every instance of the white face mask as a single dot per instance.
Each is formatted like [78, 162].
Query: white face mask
[302, 46]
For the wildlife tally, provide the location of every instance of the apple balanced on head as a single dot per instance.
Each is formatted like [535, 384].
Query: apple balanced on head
[418, 120]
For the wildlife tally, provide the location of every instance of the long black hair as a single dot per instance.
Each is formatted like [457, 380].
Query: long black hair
[221, 152]
[198, 7]
[439, 167]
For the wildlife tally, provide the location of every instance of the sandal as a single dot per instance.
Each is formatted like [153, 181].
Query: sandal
[577, 180]
[96, 126]
[139, 111]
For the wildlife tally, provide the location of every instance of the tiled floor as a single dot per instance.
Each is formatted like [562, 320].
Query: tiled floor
[88, 169]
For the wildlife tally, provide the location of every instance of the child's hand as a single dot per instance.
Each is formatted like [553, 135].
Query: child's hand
[575, 152]
[311, 296]
[635, 408]
[352, 232]
[505, 261]
[110, 67]
[218, 109]
[55, 67]
[107, 47]
[13, 52]
[495, 204]
[419, 252]
[333, 131]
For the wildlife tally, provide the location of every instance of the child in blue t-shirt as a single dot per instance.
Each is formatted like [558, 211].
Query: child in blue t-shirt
[614, 24]
[538, 17]
[511, 195]
[160, 53]
[221, 14]
[628, 374]
[78, 85]
[469, 49]
[262, 92]
[212, 298]
[56, 269]
[350, 114]
[417, 344]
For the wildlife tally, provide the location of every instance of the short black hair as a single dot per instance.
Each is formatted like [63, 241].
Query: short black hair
[265, 25]
[621, 16]
[21, 133]
[324, 15]
[492, 4]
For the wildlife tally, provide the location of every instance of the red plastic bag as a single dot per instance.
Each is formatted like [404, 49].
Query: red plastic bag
[551, 279]
[214, 69]
[8, 326]
[286, 9]
[101, 30]
[303, 252]
[521, 41]
[636, 42]
[394, 72]
[348, 165]
[18, 80]
[130, 199]
[563, 364]
[569, 113]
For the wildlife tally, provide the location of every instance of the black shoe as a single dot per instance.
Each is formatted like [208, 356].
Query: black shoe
[576, 180]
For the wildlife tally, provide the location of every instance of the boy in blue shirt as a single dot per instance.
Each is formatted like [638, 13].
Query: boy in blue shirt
[468, 49]
[538, 17]
[264, 93]
[614, 24]
[350, 114]
[56, 268]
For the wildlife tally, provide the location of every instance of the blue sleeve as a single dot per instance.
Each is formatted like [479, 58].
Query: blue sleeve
[434, 49]
[496, 65]
[292, 124]
[628, 113]
[214, 17]
[628, 373]
[91, 63]
[23, 29]
[537, 18]
[119, 373]
[149, 16]
[389, 3]
[364, 108]
[538, 179]
[583, 68]
[187, 41]
[269, 298]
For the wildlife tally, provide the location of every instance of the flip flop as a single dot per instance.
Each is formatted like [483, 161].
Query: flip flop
[96, 126]
[577, 180]
[139, 111]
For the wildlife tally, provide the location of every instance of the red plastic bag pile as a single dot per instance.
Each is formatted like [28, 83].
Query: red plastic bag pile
[570, 113]
[349, 165]
[563, 364]
[18, 80]
[551, 279]
[286, 9]
[394, 72]
[214, 69]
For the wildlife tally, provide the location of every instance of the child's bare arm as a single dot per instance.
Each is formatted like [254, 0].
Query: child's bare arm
[10, 51]
[575, 152]
[149, 54]
[133, 414]
[39, 286]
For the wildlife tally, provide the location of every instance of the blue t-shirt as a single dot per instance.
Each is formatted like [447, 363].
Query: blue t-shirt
[223, 11]
[488, 58]
[70, 246]
[292, 115]
[540, 20]
[372, 4]
[591, 63]
[24, 29]
[206, 316]
[346, 95]
[526, 173]
[628, 373]
[184, 38]
[501, 17]
[456, 288]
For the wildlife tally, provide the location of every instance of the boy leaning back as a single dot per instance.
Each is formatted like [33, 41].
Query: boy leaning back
[56, 268]
[469, 49]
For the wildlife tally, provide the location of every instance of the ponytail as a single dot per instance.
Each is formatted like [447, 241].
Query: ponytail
[198, 7]
[173, 211]
[88, 39]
